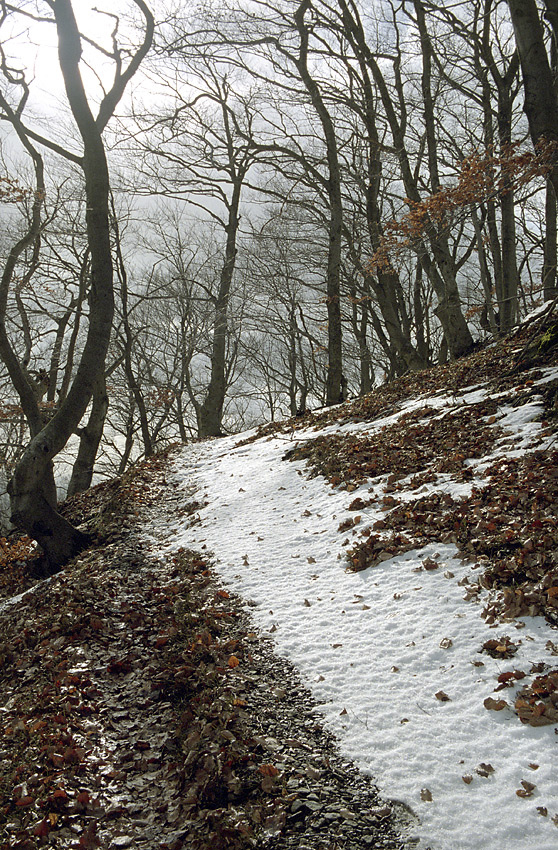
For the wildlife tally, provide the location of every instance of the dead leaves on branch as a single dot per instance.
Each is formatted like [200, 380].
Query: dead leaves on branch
[481, 176]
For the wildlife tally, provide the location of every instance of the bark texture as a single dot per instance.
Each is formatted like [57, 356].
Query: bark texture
[30, 489]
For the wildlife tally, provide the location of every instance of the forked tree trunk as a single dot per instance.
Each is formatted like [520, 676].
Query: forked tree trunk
[31, 496]
[90, 438]
[335, 223]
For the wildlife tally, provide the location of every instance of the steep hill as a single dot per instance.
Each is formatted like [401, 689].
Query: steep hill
[268, 620]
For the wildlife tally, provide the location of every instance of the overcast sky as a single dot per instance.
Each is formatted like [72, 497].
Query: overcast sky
[33, 47]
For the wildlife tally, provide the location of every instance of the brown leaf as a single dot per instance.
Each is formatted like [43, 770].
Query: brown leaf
[268, 770]
[42, 829]
[484, 769]
[527, 790]
[495, 704]
[442, 696]
[500, 648]
[426, 795]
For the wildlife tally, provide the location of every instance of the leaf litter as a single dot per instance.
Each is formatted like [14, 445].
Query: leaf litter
[145, 710]
[452, 475]
[140, 709]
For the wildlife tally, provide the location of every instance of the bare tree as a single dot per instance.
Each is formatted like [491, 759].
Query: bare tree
[31, 489]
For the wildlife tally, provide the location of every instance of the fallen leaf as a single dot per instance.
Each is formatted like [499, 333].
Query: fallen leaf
[426, 795]
[527, 790]
[442, 696]
[233, 661]
[42, 829]
[500, 648]
[484, 769]
[268, 770]
[467, 779]
[495, 704]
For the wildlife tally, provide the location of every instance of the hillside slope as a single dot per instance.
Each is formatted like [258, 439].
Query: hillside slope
[401, 550]
[371, 587]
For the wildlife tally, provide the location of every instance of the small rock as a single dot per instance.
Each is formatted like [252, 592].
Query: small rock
[380, 811]
[121, 842]
[347, 814]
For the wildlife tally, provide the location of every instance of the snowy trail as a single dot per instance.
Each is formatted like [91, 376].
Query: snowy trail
[376, 647]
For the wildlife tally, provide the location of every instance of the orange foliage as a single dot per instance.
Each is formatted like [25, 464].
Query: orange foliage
[161, 397]
[16, 550]
[481, 176]
[11, 192]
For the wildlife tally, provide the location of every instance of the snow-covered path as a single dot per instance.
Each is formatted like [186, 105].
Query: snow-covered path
[376, 647]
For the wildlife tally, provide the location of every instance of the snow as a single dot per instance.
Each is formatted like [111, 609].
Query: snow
[12, 600]
[376, 647]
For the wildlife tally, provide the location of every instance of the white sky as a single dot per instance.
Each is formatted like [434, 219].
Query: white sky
[33, 46]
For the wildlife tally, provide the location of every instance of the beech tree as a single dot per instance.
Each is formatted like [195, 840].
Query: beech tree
[199, 150]
[32, 490]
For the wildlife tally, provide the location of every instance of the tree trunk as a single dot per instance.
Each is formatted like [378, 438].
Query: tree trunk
[448, 310]
[549, 282]
[210, 418]
[127, 348]
[335, 224]
[58, 538]
[507, 281]
[385, 284]
[541, 104]
[443, 278]
[90, 437]
[366, 370]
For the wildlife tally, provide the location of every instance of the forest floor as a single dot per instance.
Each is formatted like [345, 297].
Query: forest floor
[151, 696]
[127, 719]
